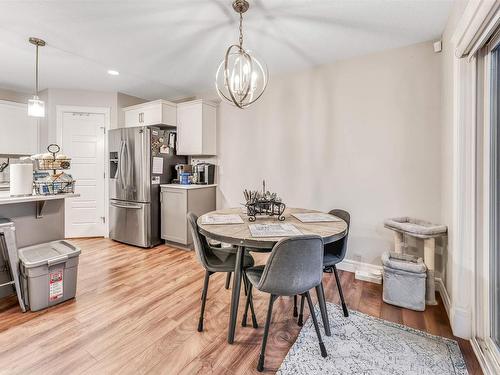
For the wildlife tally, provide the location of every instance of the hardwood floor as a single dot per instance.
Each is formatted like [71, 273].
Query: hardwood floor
[136, 311]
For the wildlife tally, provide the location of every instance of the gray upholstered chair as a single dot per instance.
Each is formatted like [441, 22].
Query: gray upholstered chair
[295, 266]
[215, 260]
[334, 254]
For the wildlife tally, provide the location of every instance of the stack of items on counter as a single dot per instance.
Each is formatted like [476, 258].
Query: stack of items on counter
[58, 182]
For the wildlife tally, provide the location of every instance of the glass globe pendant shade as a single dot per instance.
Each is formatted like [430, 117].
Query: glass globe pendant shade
[241, 77]
[36, 107]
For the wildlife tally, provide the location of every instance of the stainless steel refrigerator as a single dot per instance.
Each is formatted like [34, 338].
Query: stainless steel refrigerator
[141, 158]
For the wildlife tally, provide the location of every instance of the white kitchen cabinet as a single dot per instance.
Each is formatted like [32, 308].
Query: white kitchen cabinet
[196, 128]
[176, 202]
[18, 131]
[157, 112]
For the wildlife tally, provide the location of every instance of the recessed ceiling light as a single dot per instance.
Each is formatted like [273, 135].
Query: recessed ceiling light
[113, 72]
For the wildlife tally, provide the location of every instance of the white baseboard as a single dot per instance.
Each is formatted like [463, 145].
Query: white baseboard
[461, 322]
[371, 277]
[444, 295]
[363, 271]
[353, 266]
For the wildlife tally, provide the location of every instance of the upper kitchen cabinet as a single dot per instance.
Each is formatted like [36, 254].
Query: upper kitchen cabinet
[19, 132]
[157, 112]
[196, 128]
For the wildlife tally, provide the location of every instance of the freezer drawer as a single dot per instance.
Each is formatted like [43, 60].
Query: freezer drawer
[129, 222]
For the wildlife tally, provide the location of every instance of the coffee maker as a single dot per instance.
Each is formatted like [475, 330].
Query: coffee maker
[204, 173]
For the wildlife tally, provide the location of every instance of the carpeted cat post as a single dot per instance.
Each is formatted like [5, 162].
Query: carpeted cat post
[426, 231]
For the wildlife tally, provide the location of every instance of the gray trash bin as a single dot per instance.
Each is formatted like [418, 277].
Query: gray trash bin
[404, 280]
[48, 273]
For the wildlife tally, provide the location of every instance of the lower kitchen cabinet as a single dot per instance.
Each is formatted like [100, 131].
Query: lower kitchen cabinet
[176, 202]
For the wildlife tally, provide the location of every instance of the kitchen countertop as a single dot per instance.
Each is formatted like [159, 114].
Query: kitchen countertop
[5, 197]
[187, 187]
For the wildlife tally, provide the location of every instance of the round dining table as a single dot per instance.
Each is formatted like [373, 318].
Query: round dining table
[240, 236]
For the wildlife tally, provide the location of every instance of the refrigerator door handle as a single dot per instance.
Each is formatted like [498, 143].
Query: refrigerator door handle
[128, 165]
[119, 172]
[133, 206]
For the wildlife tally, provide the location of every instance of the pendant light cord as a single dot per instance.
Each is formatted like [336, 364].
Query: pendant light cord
[241, 30]
[36, 72]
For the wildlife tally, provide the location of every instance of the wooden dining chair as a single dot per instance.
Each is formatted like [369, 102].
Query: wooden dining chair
[334, 253]
[294, 268]
[215, 260]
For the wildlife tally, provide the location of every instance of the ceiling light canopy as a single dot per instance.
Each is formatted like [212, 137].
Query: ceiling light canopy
[241, 78]
[36, 107]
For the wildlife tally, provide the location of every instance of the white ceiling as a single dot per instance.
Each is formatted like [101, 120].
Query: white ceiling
[171, 48]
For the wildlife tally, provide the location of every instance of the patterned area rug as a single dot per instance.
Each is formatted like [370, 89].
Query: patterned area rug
[361, 344]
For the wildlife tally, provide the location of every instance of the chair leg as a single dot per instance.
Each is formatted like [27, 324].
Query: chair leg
[337, 279]
[320, 292]
[260, 366]
[316, 327]
[245, 284]
[300, 322]
[252, 310]
[203, 300]
[249, 303]
[295, 313]
[245, 313]
[228, 280]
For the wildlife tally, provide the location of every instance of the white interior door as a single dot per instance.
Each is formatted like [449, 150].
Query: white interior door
[83, 141]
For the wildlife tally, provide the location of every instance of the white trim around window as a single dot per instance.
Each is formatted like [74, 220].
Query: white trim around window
[470, 231]
[484, 347]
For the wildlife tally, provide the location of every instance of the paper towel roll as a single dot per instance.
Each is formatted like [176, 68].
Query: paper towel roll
[21, 179]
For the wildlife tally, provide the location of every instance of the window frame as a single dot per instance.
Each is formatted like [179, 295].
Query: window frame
[491, 215]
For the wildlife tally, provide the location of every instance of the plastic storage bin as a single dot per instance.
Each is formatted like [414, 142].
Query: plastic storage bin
[404, 280]
[48, 273]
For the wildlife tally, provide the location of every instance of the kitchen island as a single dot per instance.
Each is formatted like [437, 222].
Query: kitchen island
[38, 218]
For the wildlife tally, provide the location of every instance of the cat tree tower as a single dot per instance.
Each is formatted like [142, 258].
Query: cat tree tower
[423, 230]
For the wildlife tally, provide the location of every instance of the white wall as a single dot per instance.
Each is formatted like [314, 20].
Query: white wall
[362, 134]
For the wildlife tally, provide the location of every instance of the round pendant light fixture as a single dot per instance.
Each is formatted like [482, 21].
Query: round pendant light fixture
[241, 77]
[36, 107]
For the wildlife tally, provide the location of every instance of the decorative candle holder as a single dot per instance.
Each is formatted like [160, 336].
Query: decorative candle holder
[263, 203]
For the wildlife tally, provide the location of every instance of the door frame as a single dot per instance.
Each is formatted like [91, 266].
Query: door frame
[481, 340]
[106, 111]
[471, 175]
